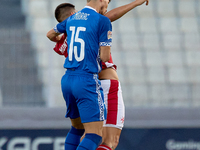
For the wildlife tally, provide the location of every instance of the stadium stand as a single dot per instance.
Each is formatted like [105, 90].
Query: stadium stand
[20, 85]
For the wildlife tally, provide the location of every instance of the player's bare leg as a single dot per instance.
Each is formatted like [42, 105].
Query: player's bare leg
[94, 127]
[111, 137]
[92, 137]
[73, 137]
[76, 123]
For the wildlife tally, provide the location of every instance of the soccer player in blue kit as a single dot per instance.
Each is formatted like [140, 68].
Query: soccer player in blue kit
[89, 40]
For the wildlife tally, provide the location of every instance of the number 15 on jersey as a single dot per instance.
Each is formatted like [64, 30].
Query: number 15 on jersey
[72, 48]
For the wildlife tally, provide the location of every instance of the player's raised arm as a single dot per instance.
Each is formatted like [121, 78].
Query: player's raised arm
[118, 12]
[53, 36]
[54, 33]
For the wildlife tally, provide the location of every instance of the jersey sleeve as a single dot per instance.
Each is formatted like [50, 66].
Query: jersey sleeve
[105, 32]
[60, 27]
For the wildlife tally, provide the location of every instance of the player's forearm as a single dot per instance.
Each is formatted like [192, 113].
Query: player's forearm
[56, 39]
[53, 36]
[105, 53]
[118, 12]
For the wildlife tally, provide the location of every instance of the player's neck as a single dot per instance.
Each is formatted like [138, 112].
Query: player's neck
[95, 5]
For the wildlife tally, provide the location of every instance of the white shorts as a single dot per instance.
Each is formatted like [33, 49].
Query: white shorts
[114, 103]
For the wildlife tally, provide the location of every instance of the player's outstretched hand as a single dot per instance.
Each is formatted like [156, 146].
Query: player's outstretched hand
[140, 2]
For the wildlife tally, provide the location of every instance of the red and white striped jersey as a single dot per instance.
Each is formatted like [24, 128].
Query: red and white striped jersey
[61, 46]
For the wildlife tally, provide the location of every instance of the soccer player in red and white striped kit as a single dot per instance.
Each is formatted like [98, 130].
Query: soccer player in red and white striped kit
[108, 76]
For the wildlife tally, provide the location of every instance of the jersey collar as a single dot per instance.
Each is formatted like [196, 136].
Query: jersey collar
[90, 8]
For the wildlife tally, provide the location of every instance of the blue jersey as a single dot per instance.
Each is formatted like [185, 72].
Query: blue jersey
[86, 31]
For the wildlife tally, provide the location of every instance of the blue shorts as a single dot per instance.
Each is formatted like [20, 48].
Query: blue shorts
[83, 94]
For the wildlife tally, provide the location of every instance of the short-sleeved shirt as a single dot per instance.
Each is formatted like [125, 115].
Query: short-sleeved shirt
[86, 30]
[61, 48]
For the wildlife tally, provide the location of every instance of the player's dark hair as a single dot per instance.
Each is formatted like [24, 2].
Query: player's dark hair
[63, 11]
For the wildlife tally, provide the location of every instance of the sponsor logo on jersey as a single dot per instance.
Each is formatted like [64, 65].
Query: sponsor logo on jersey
[62, 49]
[109, 34]
[81, 16]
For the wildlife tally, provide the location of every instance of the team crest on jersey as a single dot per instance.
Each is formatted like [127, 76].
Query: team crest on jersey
[109, 34]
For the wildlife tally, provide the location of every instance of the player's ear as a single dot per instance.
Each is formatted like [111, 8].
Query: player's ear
[72, 13]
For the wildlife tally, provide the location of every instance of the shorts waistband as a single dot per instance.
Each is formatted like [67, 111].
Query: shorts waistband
[80, 72]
